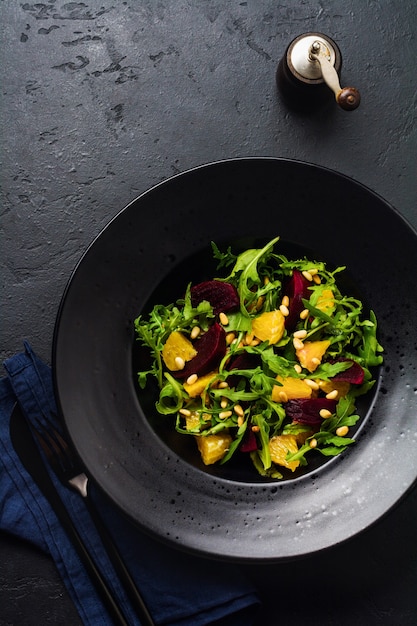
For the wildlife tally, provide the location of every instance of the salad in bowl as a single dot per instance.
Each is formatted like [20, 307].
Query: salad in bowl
[266, 361]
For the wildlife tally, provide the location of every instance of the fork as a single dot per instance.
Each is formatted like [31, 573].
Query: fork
[69, 470]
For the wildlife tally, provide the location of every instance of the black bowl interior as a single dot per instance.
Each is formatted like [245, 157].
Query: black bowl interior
[196, 268]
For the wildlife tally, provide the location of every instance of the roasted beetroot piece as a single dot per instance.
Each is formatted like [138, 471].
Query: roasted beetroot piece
[244, 361]
[249, 443]
[222, 296]
[307, 410]
[211, 347]
[355, 374]
[296, 289]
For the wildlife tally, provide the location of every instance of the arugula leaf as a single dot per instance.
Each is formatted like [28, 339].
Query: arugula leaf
[276, 363]
[295, 428]
[249, 281]
[271, 472]
[238, 322]
[171, 396]
[233, 395]
[263, 452]
[370, 346]
[325, 438]
[335, 450]
[326, 370]
[235, 443]
[225, 258]
[345, 416]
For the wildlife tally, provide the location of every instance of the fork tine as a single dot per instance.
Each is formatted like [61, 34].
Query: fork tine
[56, 449]
[50, 422]
[66, 446]
[53, 451]
[55, 436]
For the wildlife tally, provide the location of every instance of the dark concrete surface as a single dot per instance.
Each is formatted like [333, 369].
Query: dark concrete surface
[100, 101]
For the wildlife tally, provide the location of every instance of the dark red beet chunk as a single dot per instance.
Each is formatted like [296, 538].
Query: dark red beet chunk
[249, 443]
[242, 361]
[222, 296]
[307, 410]
[355, 374]
[211, 347]
[296, 289]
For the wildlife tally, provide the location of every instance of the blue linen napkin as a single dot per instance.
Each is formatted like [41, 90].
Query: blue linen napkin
[180, 589]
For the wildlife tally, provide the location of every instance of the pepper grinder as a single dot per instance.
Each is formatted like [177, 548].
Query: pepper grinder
[309, 72]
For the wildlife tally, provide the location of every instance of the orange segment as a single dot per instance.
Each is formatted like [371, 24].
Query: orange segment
[193, 420]
[279, 446]
[291, 389]
[177, 345]
[311, 353]
[269, 326]
[213, 447]
[197, 388]
[302, 436]
[341, 386]
[325, 301]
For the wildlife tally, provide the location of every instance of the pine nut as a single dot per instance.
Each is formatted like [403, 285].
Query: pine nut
[285, 301]
[300, 334]
[255, 342]
[224, 414]
[283, 396]
[185, 412]
[238, 410]
[298, 344]
[325, 413]
[195, 332]
[249, 338]
[317, 279]
[230, 337]
[304, 314]
[179, 362]
[192, 379]
[223, 385]
[224, 403]
[313, 271]
[223, 319]
[259, 303]
[315, 361]
[307, 275]
[313, 443]
[298, 368]
[311, 383]
[255, 429]
[240, 421]
[284, 310]
[342, 431]
[332, 395]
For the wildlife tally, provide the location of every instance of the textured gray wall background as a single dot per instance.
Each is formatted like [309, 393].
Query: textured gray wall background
[101, 100]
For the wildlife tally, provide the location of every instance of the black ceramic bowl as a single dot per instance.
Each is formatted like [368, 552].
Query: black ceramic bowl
[147, 253]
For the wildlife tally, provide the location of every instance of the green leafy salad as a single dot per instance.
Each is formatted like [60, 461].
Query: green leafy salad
[266, 362]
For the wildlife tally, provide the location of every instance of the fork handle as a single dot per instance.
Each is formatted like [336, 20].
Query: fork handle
[113, 552]
[95, 575]
[30, 456]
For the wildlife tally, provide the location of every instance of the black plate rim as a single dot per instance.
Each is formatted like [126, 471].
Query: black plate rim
[154, 189]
